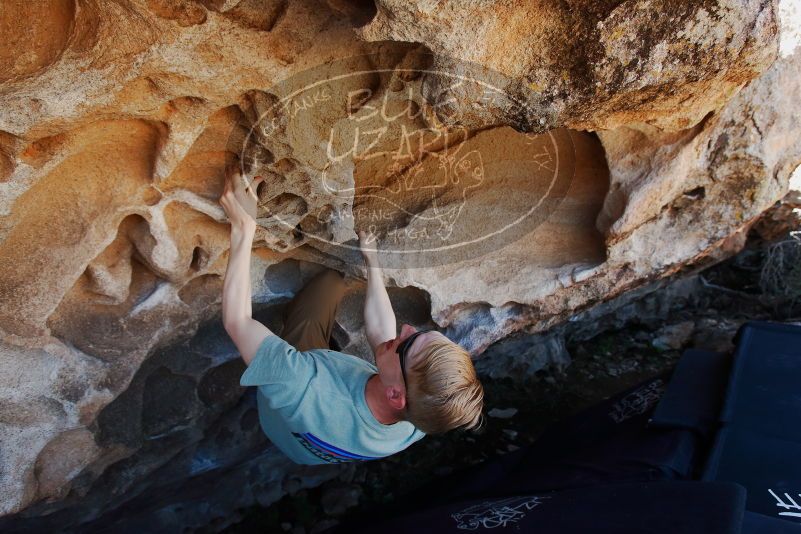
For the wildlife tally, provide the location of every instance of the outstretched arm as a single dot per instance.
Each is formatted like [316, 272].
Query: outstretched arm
[239, 201]
[379, 319]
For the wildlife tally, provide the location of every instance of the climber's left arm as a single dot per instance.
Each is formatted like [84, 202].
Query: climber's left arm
[239, 201]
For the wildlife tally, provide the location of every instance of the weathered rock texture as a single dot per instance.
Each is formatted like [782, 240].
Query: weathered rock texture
[117, 120]
[593, 64]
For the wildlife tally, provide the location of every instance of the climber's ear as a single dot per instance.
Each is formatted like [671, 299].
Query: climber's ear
[396, 397]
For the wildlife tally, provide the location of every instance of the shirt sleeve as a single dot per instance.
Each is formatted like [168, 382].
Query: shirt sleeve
[280, 371]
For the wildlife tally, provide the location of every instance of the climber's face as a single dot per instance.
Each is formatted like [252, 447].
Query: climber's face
[388, 362]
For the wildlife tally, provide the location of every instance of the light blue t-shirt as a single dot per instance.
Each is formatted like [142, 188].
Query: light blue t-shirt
[312, 405]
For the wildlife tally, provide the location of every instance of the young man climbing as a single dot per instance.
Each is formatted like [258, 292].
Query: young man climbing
[322, 406]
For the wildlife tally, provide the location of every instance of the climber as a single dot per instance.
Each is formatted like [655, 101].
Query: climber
[322, 406]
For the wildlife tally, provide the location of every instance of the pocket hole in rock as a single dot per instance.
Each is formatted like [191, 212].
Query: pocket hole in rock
[200, 258]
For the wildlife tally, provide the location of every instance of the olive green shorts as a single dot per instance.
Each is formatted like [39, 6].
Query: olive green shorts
[309, 318]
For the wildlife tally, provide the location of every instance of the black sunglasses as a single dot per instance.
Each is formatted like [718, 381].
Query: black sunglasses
[404, 347]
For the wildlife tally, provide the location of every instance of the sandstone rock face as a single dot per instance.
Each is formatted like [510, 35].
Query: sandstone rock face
[590, 64]
[117, 121]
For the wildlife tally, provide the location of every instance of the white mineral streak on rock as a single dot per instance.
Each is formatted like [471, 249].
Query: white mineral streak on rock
[789, 26]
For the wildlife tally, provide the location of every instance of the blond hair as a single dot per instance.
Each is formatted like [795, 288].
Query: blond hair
[443, 390]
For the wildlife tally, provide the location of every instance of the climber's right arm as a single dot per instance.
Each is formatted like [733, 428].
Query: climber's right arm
[246, 332]
[379, 319]
[239, 202]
